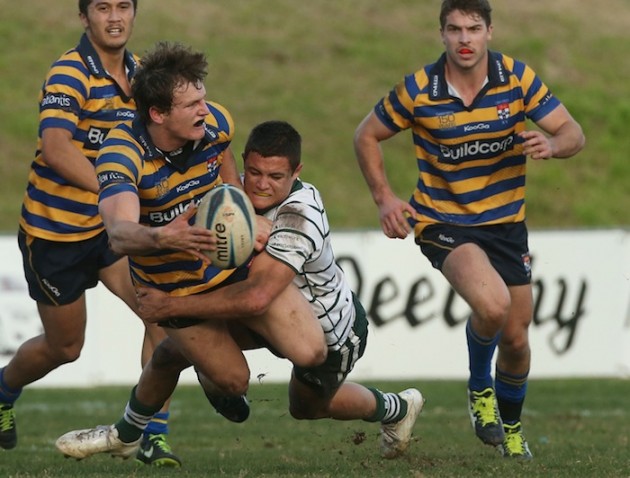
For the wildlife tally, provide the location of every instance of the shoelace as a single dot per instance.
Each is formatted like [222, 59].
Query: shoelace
[484, 409]
[514, 441]
[7, 416]
[389, 432]
[160, 442]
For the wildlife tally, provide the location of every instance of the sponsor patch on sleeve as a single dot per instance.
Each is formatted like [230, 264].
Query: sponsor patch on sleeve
[58, 101]
[108, 178]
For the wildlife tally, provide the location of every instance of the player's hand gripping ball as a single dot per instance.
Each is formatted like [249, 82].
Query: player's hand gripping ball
[228, 212]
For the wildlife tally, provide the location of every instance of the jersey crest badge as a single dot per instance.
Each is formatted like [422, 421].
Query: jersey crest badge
[503, 111]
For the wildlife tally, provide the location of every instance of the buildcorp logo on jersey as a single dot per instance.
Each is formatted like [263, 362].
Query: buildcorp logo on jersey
[475, 150]
[162, 217]
[96, 136]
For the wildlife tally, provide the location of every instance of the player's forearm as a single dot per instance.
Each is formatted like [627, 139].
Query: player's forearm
[129, 238]
[370, 158]
[373, 170]
[236, 301]
[71, 165]
[568, 140]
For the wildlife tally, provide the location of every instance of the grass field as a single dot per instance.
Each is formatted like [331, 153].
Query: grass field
[576, 428]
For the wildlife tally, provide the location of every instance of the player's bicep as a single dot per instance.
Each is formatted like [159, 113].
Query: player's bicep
[117, 208]
[55, 142]
[373, 128]
[552, 122]
[270, 274]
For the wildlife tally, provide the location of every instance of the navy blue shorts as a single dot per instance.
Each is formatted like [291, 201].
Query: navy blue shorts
[505, 245]
[58, 273]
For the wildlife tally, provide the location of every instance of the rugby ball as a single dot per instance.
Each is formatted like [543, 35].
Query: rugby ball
[227, 211]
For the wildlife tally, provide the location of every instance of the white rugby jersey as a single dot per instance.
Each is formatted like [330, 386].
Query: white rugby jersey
[300, 238]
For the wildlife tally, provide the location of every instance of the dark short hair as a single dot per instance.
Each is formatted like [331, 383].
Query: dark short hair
[84, 4]
[161, 71]
[275, 138]
[480, 7]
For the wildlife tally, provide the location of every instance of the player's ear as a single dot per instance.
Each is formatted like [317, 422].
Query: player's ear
[156, 115]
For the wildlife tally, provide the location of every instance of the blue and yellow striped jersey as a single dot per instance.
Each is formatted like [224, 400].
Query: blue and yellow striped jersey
[166, 185]
[470, 161]
[77, 95]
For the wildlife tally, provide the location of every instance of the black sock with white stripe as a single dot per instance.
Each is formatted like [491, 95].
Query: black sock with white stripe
[390, 408]
[136, 418]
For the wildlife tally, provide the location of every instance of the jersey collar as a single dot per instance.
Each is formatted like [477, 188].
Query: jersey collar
[438, 88]
[151, 151]
[93, 61]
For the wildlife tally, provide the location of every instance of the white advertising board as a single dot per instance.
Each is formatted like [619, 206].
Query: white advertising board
[581, 325]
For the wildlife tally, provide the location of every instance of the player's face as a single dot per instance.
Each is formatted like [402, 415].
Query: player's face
[185, 121]
[268, 180]
[109, 23]
[466, 38]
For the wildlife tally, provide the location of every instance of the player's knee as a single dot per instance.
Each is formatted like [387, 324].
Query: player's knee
[65, 353]
[166, 355]
[515, 346]
[307, 360]
[301, 412]
[233, 386]
[307, 411]
[233, 382]
[312, 356]
[308, 401]
[68, 355]
[495, 313]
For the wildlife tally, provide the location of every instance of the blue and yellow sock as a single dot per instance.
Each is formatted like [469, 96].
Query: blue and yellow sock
[480, 353]
[7, 394]
[511, 390]
[158, 424]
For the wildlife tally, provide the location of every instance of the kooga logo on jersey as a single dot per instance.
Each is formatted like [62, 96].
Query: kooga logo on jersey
[190, 184]
[476, 127]
[475, 150]
[125, 114]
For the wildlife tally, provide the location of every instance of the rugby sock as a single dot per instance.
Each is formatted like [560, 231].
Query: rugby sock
[389, 407]
[510, 390]
[480, 352]
[7, 394]
[135, 419]
[158, 424]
